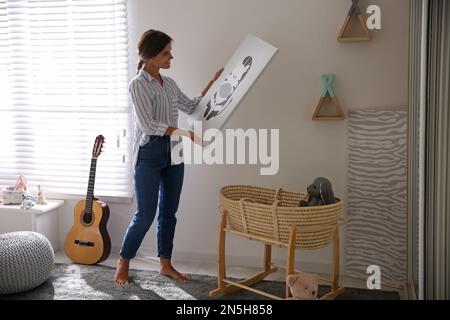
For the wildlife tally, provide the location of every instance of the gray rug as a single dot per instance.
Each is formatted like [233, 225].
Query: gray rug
[79, 282]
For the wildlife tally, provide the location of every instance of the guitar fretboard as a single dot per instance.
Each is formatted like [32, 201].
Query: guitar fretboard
[90, 189]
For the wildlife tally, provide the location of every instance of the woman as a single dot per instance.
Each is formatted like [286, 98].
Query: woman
[156, 100]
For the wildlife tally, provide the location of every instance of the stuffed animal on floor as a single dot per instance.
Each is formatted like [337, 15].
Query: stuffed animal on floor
[320, 193]
[303, 286]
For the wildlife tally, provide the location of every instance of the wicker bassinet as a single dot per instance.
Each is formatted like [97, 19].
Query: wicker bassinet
[271, 213]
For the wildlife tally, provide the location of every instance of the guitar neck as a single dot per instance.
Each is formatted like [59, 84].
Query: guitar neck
[90, 189]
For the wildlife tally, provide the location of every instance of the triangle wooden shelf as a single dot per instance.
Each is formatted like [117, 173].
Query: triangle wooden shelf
[328, 92]
[339, 113]
[354, 10]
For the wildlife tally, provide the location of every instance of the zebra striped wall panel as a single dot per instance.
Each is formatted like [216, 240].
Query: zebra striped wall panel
[376, 232]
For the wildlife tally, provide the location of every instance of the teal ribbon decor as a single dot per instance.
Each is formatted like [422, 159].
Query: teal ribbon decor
[327, 82]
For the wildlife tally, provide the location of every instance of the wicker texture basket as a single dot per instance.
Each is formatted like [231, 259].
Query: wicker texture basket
[270, 213]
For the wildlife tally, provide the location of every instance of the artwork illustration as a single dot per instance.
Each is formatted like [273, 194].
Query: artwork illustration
[224, 95]
[227, 92]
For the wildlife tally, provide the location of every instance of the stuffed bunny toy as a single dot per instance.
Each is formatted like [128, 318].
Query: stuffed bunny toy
[320, 193]
[303, 286]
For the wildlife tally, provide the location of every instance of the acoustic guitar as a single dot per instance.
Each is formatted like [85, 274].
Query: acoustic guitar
[88, 241]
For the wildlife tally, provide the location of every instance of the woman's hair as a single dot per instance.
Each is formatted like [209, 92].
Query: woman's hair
[150, 44]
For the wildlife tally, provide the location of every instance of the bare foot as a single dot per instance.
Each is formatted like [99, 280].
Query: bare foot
[170, 271]
[121, 277]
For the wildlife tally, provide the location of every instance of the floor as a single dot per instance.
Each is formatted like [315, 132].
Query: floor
[152, 264]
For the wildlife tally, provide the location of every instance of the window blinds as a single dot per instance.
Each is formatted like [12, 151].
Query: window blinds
[63, 81]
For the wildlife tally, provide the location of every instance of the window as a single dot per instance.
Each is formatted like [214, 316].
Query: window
[63, 81]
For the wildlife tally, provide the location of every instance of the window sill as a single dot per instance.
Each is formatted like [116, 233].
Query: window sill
[124, 200]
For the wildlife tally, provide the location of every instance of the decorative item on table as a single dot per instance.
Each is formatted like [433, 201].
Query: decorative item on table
[320, 193]
[27, 201]
[13, 194]
[40, 196]
[21, 184]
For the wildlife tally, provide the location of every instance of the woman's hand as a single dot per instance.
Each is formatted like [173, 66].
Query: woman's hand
[216, 76]
[181, 132]
[195, 138]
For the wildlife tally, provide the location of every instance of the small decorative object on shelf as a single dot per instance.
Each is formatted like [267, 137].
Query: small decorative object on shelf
[40, 196]
[13, 194]
[27, 201]
[21, 184]
[327, 89]
[354, 10]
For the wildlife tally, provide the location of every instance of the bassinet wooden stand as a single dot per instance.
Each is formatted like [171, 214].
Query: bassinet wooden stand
[226, 286]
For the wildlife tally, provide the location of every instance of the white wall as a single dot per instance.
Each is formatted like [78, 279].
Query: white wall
[206, 33]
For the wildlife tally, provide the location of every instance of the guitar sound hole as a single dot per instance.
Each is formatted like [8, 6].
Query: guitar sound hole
[87, 217]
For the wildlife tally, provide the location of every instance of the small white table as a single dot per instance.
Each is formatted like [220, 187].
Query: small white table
[39, 218]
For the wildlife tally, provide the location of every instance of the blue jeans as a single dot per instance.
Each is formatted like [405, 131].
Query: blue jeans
[154, 176]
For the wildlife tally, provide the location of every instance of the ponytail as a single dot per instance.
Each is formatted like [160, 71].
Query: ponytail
[139, 65]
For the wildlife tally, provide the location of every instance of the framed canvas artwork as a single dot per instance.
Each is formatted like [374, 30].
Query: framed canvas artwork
[241, 71]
